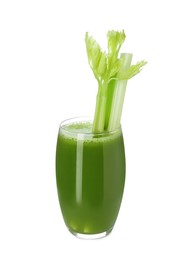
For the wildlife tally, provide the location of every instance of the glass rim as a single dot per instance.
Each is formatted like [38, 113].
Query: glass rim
[77, 119]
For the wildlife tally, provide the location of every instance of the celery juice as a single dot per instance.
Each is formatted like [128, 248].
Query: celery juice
[90, 174]
[90, 157]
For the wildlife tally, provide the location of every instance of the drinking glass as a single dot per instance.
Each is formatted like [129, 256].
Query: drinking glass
[90, 175]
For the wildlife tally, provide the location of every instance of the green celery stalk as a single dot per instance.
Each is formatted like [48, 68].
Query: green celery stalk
[99, 115]
[109, 100]
[119, 93]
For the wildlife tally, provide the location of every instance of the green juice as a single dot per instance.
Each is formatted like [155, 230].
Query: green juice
[90, 174]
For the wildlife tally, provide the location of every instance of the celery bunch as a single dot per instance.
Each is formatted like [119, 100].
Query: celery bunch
[112, 71]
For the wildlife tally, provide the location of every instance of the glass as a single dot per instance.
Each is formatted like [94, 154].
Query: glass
[90, 175]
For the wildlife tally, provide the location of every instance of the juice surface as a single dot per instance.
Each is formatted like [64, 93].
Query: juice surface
[90, 173]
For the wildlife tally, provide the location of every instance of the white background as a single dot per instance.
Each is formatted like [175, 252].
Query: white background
[45, 78]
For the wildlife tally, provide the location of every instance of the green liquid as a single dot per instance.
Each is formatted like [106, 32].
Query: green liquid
[90, 175]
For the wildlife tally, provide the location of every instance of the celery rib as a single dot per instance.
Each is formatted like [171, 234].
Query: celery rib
[119, 93]
[99, 115]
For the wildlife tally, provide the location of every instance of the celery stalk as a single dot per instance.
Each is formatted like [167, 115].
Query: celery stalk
[109, 100]
[119, 93]
[99, 116]
[112, 71]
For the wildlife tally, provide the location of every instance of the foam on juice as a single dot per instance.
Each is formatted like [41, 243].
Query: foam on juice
[83, 130]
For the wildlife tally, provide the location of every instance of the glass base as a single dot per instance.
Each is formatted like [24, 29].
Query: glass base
[91, 236]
